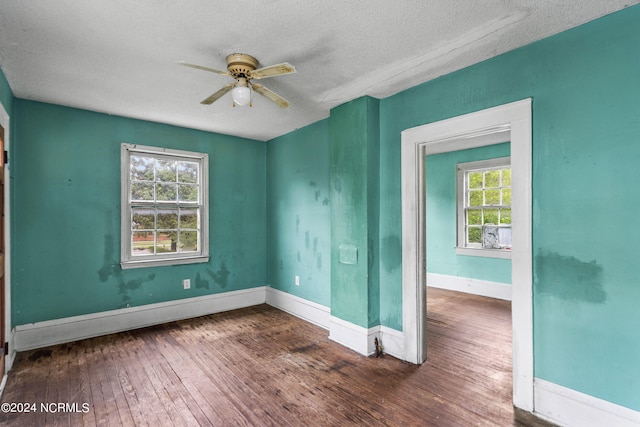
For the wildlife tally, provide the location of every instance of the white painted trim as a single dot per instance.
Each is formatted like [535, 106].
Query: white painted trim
[352, 336]
[470, 286]
[392, 342]
[304, 309]
[451, 135]
[8, 333]
[51, 332]
[127, 259]
[345, 333]
[484, 253]
[567, 407]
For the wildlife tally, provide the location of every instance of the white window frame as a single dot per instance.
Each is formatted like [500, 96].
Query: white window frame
[462, 196]
[127, 260]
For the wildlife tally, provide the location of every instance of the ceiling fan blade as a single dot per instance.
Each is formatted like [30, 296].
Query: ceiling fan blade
[200, 67]
[271, 95]
[210, 100]
[273, 70]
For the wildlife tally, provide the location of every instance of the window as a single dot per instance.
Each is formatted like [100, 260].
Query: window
[484, 208]
[164, 207]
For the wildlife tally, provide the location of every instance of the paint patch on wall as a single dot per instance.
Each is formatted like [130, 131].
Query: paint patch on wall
[110, 267]
[126, 287]
[221, 277]
[201, 283]
[348, 254]
[568, 278]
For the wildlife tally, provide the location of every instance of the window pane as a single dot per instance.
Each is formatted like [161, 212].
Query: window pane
[188, 241]
[506, 196]
[474, 235]
[167, 242]
[475, 198]
[492, 179]
[141, 168]
[188, 193]
[188, 172]
[505, 216]
[166, 171]
[143, 219]
[492, 197]
[189, 219]
[142, 191]
[166, 192]
[474, 217]
[475, 179]
[491, 216]
[142, 243]
[506, 177]
[504, 235]
[168, 219]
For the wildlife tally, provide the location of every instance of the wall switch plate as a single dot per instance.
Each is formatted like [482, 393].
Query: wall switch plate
[297, 280]
[186, 283]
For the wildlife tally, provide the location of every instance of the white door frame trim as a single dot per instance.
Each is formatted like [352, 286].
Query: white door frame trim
[5, 122]
[506, 122]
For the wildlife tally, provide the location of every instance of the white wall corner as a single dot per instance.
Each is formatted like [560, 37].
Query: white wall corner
[51, 332]
[567, 407]
[306, 310]
[470, 286]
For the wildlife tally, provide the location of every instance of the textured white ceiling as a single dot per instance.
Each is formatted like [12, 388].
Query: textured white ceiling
[119, 56]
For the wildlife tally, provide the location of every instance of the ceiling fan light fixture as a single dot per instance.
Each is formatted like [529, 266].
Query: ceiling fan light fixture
[241, 94]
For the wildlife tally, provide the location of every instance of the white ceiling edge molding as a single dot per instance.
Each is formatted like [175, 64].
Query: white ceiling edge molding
[401, 75]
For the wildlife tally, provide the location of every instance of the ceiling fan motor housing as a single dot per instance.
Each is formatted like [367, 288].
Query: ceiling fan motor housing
[241, 65]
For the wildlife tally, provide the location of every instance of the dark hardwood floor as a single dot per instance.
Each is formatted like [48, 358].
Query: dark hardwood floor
[261, 366]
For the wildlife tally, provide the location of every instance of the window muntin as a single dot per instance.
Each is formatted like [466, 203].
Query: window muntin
[164, 199]
[484, 205]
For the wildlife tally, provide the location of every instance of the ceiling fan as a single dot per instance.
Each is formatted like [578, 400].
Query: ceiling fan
[242, 68]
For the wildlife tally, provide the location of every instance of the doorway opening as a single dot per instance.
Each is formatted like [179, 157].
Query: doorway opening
[486, 127]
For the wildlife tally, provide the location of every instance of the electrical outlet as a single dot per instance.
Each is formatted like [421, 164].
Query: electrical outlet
[297, 280]
[186, 283]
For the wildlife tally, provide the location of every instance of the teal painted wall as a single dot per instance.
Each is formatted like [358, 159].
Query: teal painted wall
[585, 150]
[441, 213]
[299, 213]
[585, 131]
[354, 211]
[65, 186]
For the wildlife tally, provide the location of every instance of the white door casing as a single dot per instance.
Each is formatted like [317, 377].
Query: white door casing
[509, 122]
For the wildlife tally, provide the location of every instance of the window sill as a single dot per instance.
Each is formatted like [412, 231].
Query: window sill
[487, 253]
[162, 262]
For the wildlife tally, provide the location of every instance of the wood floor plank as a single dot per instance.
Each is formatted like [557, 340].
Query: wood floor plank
[261, 366]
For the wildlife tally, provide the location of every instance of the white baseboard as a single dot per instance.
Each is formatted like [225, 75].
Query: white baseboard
[470, 286]
[567, 407]
[392, 342]
[304, 309]
[357, 338]
[362, 340]
[51, 332]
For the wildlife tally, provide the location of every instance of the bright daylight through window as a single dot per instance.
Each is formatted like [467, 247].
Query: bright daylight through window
[164, 206]
[484, 208]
